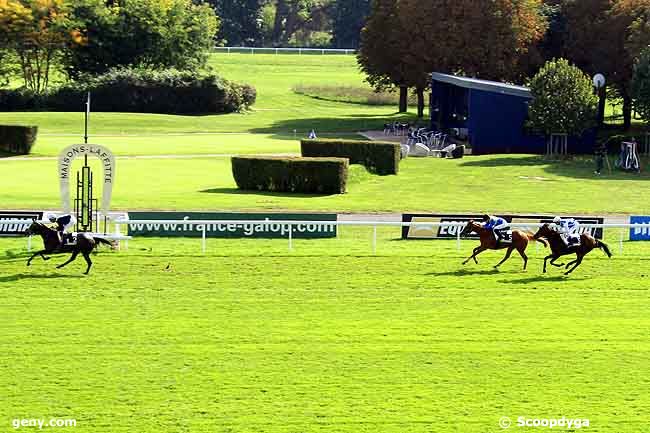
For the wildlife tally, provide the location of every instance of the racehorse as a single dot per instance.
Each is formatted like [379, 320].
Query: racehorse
[85, 244]
[519, 242]
[559, 248]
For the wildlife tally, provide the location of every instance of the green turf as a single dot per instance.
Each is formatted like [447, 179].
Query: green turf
[278, 109]
[250, 338]
[498, 183]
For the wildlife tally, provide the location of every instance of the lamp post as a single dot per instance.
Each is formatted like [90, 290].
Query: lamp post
[599, 84]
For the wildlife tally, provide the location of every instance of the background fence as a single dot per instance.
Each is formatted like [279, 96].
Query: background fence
[298, 51]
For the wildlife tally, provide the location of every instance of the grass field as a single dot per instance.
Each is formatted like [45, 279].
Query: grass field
[328, 338]
[499, 183]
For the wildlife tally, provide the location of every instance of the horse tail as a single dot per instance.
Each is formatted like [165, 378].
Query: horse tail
[104, 241]
[603, 246]
[531, 237]
[542, 241]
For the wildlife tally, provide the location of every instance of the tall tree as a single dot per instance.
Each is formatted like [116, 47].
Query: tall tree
[605, 36]
[349, 18]
[36, 31]
[240, 21]
[299, 16]
[382, 46]
[152, 33]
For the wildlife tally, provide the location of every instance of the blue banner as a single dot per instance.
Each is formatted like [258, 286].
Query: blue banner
[640, 233]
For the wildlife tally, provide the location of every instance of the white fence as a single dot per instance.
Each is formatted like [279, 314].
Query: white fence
[299, 51]
[201, 225]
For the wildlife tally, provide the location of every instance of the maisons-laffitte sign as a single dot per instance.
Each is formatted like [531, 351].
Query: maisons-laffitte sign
[64, 171]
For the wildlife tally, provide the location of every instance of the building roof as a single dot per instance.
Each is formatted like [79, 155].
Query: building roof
[488, 86]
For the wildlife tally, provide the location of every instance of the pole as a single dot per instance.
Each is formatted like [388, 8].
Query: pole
[290, 237]
[374, 239]
[86, 121]
[620, 241]
[203, 239]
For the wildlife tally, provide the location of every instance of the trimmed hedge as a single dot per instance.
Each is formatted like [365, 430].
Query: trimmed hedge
[17, 139]
[139, 91]
[305, 175]
[379, 157]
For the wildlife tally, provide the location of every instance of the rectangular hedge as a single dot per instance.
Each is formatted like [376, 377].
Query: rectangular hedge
[378, 157]
[17, 139]
[305, 175]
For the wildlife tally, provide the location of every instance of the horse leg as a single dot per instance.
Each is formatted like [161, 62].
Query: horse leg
[505, 258]
[577, 263]
[522, 253]
[478, 250]
[37, 253]
[549, 257]
[74, 256]
[44, 258]
[90, 263]
[555, 264]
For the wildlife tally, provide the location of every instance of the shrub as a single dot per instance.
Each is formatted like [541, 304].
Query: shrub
[305, 175]
[17, 139]
[140, 91]
[563, 100]
[377, 156]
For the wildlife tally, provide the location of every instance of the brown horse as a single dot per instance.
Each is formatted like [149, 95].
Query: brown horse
[520, 239]
[559, 248]
[85, 244]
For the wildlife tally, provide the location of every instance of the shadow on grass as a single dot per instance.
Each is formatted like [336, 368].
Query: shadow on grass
[237, 191]
[543, 278]
[578, 167]
[25, 276]
[462, 272]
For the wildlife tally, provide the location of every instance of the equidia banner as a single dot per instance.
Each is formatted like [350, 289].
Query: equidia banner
[441, 232]
[261, 225]
[7, 229]
[640, 233]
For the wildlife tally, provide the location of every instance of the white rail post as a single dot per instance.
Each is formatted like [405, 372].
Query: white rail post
[620, 241]
[203, 239]
[374, 240]
[290, 237]
[458, 238]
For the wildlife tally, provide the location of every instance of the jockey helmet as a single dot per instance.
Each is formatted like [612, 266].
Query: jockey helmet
[51, 217]
[557, 220]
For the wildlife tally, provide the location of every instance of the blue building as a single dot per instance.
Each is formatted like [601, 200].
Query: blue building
[493, 114]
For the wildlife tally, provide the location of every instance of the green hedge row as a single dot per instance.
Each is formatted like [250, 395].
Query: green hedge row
[305, 175]
[17, 139]
[379, 157]
[139, 91]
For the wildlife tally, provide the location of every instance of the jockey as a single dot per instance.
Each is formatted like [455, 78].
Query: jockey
[568, 230]
[63, 223]
[496, 224]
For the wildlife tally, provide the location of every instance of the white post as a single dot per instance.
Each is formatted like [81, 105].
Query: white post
[374, 239]
[620, 241]
[203, 239]
[290, 237]
[458, 238]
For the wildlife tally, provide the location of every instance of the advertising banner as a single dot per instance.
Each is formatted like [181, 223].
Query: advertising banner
[438, 232]
[261, 225]
[7, 229]
[640, 233]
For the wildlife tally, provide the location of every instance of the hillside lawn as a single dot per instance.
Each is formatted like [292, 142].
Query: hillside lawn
[326, 339]
[499, 183]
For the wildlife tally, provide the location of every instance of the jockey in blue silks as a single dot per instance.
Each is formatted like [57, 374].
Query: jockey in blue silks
[568, 228]
[496, 224]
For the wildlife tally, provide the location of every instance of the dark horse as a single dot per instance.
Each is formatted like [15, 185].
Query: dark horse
[520, 239]
[559, 248]
[85, 244]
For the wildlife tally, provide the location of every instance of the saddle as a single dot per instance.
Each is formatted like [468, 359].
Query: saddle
[69, 239]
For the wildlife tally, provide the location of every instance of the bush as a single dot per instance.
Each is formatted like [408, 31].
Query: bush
[377, 156]
[139, 91]
[17, 139]
[305, 175]
[563, 100]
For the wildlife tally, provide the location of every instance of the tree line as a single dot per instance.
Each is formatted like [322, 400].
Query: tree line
[503, 40]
